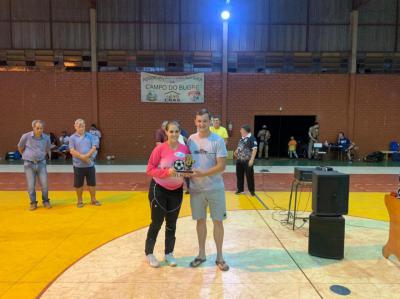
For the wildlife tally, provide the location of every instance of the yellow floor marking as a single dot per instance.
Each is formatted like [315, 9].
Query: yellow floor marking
[37, 246]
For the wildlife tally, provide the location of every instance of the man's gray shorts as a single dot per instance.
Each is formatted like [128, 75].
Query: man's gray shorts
[215, 199]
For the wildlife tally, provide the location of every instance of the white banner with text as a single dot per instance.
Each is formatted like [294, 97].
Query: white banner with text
[172, 89]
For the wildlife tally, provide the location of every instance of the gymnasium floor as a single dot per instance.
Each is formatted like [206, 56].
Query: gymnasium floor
[97, 252]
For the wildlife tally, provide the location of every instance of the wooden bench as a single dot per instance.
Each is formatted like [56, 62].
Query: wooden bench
[393, 244]
[387, 153]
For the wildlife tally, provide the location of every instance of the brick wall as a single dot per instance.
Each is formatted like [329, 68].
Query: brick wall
[298, 94]
[57, 98]
[128, 125]
[377, 111]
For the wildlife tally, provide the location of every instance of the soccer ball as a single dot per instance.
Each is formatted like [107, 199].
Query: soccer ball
[179, 165]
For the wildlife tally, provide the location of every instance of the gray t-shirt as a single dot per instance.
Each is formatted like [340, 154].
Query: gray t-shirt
[205, 152]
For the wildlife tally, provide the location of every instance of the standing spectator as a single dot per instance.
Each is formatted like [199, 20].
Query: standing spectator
[292, 146]
[313, 134]
[82, 147]
[184, 133]
[33, 147]
[161, 136]
[165, 193]
[96, 135]
[218, 129]
[245, 153]
[207, 186]
[263, 135]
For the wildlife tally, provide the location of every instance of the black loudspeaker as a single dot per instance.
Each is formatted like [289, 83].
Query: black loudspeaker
[330, 193]
[326, 236]
[303, 174]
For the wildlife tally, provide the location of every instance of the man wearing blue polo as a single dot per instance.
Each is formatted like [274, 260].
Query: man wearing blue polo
[82, 147]
[33, 147]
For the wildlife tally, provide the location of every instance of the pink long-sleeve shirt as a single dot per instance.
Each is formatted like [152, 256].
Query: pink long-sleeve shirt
[161, 159]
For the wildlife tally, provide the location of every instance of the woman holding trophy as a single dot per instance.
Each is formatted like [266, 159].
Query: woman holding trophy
[167, 165]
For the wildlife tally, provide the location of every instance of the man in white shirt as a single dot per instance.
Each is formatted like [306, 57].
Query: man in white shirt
[207, 186]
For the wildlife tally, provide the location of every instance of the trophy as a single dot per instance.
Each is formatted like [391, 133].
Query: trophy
[184, 166]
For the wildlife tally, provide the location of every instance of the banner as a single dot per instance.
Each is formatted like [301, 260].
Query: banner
[172, 89]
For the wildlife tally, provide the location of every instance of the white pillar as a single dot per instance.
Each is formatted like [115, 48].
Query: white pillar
[224, 71]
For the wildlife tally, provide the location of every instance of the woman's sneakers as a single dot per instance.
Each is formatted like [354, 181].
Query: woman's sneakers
[153, 262]
[170, 259]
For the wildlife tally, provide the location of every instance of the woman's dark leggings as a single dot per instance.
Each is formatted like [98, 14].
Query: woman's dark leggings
[166, 204]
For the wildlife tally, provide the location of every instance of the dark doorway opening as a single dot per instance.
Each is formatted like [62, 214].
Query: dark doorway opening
[281, 128]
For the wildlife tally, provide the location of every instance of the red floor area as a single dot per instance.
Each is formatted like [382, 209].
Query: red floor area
[139, 182]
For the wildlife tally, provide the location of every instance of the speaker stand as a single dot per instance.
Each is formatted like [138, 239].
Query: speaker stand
[295, 186]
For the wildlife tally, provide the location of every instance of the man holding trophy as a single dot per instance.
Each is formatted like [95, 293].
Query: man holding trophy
[207, 186]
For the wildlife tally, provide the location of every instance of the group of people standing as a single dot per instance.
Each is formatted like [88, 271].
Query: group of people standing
[35, 145]
[207, 148]
[314, 147]
[208, 151]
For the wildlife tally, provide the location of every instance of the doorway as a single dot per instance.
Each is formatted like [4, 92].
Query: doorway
[281, 128]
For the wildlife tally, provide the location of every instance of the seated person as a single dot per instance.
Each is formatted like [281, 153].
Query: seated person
[53, 146]
[96, 135]
[346, 145]
[15, 155]
[64, 144]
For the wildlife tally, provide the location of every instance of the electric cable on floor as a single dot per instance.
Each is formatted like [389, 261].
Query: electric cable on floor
[283, 246]
[282, 213]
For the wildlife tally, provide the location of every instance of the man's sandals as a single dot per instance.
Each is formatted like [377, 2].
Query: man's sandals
[222, 265]
[197, 262]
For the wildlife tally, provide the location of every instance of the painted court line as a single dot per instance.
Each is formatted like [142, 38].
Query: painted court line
[229, 169]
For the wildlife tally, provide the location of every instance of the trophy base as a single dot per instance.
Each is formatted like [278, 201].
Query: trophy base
[184, 171]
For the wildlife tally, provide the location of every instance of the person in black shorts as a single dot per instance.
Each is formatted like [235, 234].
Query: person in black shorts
[83, 148]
